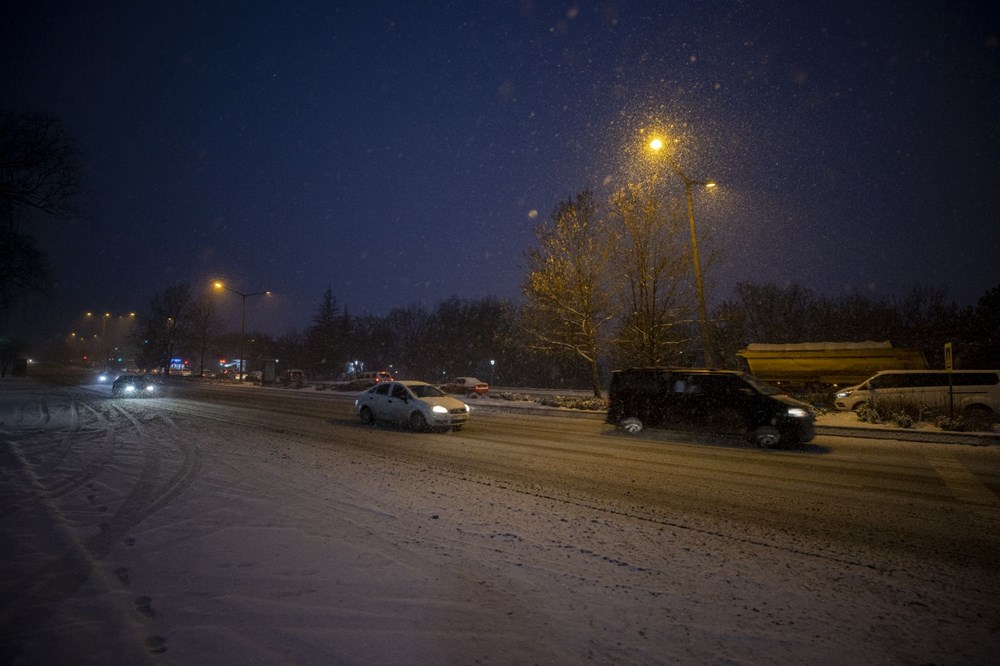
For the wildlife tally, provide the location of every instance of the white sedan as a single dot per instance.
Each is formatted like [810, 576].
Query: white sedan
[417, 404]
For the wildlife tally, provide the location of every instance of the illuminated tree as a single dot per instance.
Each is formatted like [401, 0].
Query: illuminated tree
[651, 268]
[568, 298]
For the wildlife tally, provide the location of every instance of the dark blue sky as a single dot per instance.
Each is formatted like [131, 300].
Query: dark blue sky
[400, 152]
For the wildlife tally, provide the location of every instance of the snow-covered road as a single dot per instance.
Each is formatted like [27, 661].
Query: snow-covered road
[182, 531]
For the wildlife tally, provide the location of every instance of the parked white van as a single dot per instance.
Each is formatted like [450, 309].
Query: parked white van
[972, 389]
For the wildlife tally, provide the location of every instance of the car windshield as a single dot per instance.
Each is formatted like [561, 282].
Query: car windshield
[425, 391]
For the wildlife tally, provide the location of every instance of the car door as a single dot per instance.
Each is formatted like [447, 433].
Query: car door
[375, 399]
[664, 404]
[397, 402]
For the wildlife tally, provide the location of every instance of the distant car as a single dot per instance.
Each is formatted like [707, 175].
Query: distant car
[296, 378]
[466, 385]
[133, 386]
[104, 376]
[417, 404]
[364, 380]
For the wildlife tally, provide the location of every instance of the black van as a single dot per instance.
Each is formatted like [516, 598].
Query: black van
[722, 401]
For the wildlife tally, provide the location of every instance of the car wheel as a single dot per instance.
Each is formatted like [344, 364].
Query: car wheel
[631, 425]
[366, 416]
[766, 436]
[456, 428]
[418, 422]
[979, 417]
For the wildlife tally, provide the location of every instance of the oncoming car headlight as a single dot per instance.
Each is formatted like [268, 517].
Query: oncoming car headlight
[129, 388]
[438, 409]
[843, 394]
[797, 412]
[150, 388]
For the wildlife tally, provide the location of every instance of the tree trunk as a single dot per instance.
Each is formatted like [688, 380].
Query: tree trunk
[595, 374]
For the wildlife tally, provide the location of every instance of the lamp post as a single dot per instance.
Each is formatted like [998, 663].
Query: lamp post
[104, 328]
[656, 145]
[243, 314]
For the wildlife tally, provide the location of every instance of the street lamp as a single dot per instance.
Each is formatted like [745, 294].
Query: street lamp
[656, 145]
[104, 327]
[243, 314]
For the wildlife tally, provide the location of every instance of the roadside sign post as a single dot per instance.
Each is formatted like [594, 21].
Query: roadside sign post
[949, 366]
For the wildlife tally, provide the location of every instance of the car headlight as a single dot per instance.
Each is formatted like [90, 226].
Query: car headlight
[438, 409]
[129, 388]
[797, 412]
[843, 394]
[150, 388]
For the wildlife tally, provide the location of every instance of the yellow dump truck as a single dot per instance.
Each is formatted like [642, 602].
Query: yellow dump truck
[826, 363]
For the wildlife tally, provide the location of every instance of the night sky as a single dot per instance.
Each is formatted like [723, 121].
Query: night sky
[401, 152]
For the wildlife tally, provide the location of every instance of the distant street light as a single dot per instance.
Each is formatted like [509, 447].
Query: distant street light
[656, 145]
[243, 315]
[104, 327]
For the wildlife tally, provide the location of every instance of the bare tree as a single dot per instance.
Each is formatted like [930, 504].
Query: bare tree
[167, 321]
[413, 345]
[203, 323]
[39, 166]
[568, 300]
[40, 172]
[650, 271]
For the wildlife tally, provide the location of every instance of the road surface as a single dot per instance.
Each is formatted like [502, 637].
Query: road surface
[240, 523]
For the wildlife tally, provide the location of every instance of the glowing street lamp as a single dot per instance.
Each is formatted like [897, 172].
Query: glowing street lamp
[218, 284]
[104, 327]
[656, 145]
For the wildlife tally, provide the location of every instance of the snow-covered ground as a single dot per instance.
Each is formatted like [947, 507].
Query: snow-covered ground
[134, 535]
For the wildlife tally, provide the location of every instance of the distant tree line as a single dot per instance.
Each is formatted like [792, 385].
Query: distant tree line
[497, 340]
[922, 318]
[480, 337]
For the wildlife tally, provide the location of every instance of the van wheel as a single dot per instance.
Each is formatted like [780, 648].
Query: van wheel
[631, 425]
[766, 436]
[979, 417]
